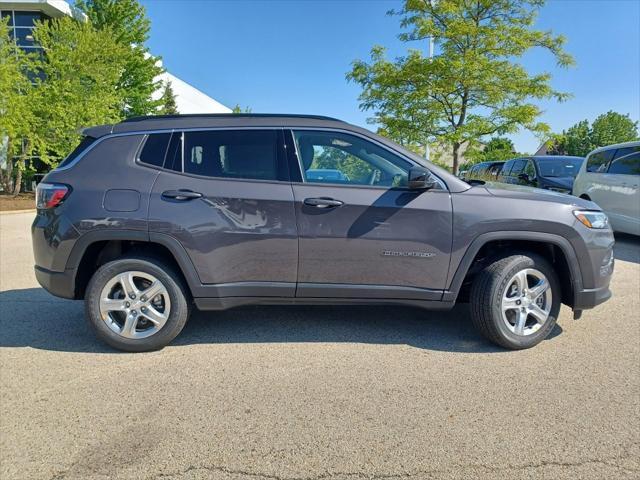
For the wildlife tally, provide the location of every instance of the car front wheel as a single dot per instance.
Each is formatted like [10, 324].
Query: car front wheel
[515, 301]
[136, 304]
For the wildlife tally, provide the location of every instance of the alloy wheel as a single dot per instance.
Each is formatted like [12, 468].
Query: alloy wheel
[135, 304]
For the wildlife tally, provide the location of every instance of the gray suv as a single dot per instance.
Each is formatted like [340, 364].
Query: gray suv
[154, 215]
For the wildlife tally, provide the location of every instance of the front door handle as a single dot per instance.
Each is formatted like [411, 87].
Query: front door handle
[181, 195]
[323, 202]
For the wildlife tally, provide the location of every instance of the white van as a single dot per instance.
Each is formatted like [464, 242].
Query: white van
[611, 177]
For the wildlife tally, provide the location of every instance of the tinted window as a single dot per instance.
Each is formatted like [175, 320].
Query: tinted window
[173, 159]
[518, 167]
[598, 161]
[26, 19]
[154, 149]
[559, 167]
[506, 168]
[249, 154]
[84, 144]
[530, 169]
[7, 14]
[626, 161]
[332, 157]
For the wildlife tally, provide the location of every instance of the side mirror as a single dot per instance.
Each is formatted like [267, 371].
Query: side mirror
[421, 179]
[524, 177]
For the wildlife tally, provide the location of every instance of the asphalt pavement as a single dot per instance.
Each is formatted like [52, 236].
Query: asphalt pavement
[315, 393]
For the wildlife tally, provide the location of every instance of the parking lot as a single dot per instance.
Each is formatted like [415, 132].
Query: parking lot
[318, 393]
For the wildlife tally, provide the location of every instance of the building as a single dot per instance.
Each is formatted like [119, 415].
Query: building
[23, 14]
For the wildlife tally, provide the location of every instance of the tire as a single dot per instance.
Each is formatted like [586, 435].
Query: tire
[169, 308]
[497, 287]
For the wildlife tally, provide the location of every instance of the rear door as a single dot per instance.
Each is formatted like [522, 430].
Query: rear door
[225, 196]
[365, 235]
[598, 185]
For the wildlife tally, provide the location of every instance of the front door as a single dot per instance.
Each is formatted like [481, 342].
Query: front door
[225, 196]
[363, 233]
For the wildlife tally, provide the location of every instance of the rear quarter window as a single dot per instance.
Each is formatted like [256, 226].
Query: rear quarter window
[154, 149]
[84, 144]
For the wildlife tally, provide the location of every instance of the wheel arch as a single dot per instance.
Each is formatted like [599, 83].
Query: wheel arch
[96, 248]
[553, 247]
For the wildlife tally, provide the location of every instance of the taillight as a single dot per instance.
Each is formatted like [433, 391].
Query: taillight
[50, 195]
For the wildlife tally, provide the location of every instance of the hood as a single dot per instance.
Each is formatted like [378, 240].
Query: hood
[562, 182]
[508, 190]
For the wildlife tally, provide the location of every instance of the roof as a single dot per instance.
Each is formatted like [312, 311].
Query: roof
[213, 120]
[257, 120]
[617, 145]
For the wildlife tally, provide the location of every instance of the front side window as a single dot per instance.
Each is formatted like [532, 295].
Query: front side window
[339, 158]
[597, 163]
[626, 161]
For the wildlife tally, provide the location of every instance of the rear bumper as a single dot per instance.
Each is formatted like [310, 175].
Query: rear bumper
[589, 298]
[60, 284]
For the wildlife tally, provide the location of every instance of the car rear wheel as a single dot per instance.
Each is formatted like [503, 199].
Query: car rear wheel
[136, 304]
[515, 301]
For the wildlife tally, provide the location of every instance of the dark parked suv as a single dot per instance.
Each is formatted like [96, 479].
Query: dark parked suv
[153, 215]
[551, 172]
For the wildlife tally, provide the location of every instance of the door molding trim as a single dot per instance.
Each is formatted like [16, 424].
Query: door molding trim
[385, 292]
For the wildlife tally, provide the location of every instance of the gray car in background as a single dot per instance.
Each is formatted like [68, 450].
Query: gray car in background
[152, 216]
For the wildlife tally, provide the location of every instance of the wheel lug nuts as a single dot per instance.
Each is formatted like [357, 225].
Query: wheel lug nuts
[144, 309]
[143, 298]
[127, 304]
[133, 312]
[132, 296]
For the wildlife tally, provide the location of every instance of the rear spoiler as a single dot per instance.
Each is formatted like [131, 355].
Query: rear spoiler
[97, 131]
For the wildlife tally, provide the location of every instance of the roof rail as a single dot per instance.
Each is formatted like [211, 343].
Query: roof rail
[228, 115]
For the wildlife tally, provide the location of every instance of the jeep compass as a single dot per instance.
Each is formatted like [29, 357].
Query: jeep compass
[152, 216]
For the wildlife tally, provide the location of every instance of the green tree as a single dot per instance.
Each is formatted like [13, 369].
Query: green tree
[496, 149]
[169, 105]
[473, 87]
[607, 129]
[17, 114]
[80, 83]
[128, 23]
[239, 109]
[611, 128]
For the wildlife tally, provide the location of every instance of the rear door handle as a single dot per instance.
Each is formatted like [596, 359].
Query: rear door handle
[181, 195]
[323, 202]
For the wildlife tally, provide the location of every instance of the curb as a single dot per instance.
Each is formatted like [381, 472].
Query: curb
[10, 212]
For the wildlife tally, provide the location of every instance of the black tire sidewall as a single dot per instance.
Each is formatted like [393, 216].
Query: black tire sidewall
[179, 305]
[518, 263]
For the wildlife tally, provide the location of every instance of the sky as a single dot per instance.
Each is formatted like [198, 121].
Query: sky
[291, 56]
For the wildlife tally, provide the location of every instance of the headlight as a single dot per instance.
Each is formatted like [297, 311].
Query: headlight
[592, 219]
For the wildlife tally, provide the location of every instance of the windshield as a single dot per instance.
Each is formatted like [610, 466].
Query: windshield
[559, 167]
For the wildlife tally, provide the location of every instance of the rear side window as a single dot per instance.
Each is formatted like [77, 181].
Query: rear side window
[518, 167]
[626, 161]
[506, 168]
[154, 149]
[250, 154]
[597, 163]
[84, 144]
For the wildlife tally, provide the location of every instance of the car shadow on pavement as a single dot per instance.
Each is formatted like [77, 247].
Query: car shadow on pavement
[33, 318]
[627, 248]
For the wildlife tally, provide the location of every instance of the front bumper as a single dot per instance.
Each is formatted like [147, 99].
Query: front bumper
[60, 284]
[591, 297]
